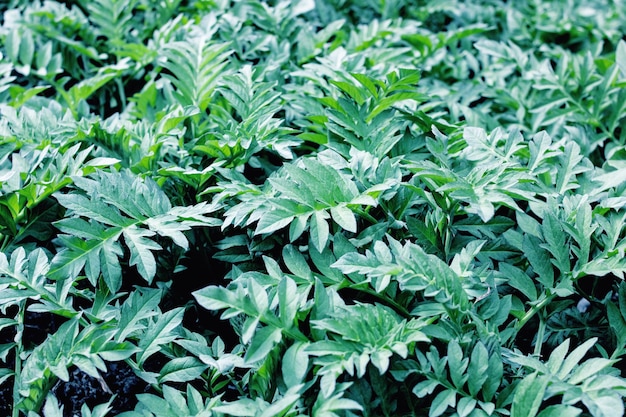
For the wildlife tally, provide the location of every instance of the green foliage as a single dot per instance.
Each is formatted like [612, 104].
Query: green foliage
[326, 208]
[116, 205]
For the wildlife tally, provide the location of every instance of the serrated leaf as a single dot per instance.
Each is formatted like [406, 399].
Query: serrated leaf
[539, 258]
[351, 90]
[494, 378]
[217, 298]
[617, 323]
[588, 369]
[570, 166]
[195, 65]
[140, 305]
[160, 332]
[557, 245]
[575, 357]
[258, 296]
[141, 251]
[519, 280]
[389, 101]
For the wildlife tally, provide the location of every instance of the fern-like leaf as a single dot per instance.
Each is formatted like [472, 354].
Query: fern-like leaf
[112, 205]
[195, 66]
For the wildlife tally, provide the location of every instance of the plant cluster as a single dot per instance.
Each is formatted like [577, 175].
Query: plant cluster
[314, 207]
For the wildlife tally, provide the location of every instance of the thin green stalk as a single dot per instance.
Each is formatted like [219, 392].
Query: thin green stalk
[540, 334]
[19, 349]
[534, 310]
[384, 300]
[365, 215]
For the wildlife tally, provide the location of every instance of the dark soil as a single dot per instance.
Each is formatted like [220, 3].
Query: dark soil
[6, 397]
[119, 380]
[83, 389]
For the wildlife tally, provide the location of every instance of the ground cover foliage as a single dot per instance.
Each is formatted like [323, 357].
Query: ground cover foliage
[325, 208]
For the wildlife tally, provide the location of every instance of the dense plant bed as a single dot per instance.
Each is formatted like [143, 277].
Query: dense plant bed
[324, 208]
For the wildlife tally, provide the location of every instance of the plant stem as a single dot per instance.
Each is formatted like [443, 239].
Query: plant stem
[19, 348]
[534, 310]
[365, 215]
[400, 309]
[540, 334]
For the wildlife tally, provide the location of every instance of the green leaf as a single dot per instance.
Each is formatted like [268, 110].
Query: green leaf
[528, 396]
[555, 361]
[273, 220]
[288, 301]
[262, 343]
[351, 90]
[114, 352]
[557, 245]
[539, 258]
[119, 204]
[344, 217]
[140, 249]
[457, 364]
[617, 322]
[477, 371]
[87, 87]
[588, 369]
[519, 280]
[12, 45]
[494, 378]
[604, 404]
[159, 332]
[560, 411]
[319, 230]
[296, 263]
[195, 66]
[140, 305]
[620, 56]
[465, 406]
[389, 101]
[27, 48]
[575, 357]
[181, 370]
[295, 364]
[52, 408]
[441, 402]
